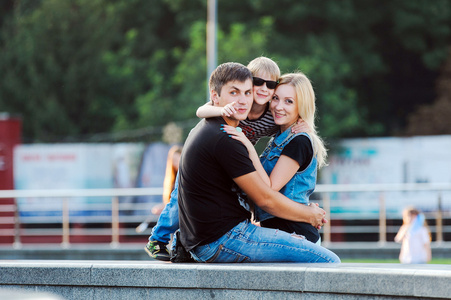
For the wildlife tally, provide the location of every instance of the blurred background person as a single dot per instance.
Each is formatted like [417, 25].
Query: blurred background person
[415, 237]
[172, 166]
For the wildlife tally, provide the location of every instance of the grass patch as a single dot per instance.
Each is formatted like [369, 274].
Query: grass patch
[440, 261]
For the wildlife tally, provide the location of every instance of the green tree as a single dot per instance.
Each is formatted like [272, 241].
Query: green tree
[188, 87]
[80, 67]
[52, 69]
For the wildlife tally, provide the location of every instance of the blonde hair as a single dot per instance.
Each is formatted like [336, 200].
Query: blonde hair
[413, 212]
[305, 97]
[264, 65]
[171, 173]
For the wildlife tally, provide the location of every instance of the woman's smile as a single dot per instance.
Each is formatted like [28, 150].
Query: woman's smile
[284, 106]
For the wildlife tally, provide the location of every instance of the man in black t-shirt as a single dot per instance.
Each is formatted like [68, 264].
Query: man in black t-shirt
[214, 223]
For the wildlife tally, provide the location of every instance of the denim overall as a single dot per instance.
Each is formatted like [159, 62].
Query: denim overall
[302, 185]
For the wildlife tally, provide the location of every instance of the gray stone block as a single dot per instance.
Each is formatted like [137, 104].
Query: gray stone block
[145, 274]
[362, 280]
[45, 272]
[252, 276]
[433, 282]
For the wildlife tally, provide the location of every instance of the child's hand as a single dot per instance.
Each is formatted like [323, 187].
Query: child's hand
[301, 126]
[228, 110]
[255, 223]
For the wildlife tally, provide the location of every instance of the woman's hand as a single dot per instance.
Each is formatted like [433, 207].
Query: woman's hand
[238, 135]
[301, 126]
[319, 214]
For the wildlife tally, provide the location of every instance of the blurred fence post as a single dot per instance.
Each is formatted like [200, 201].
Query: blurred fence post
[439, 220]
[382, 220]
[17, 244]
[115, 222]
[327, 226]
[66, 224]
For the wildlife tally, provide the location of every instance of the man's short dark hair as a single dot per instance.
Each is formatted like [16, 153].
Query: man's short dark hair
[227, 72]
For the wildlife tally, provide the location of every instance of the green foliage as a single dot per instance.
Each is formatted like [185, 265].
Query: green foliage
[75, 68]
[53, 71]
[189, 84]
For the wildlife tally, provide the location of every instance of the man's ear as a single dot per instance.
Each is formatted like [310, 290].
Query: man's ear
[214, 97]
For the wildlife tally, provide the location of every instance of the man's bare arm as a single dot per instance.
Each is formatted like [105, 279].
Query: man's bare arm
[277, 204]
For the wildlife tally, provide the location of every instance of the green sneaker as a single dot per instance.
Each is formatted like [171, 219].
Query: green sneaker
[157, 250]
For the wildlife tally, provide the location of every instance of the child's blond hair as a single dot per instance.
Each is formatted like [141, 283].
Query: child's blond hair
[264, 65]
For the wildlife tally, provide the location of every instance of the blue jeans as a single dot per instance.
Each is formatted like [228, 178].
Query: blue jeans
[252, 244]
[168, 222]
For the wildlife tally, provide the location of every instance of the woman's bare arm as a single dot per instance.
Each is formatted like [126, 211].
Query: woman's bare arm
[277, 204]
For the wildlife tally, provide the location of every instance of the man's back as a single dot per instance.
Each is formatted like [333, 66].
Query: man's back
[208, 200]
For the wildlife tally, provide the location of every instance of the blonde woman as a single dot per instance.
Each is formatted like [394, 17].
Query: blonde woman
[290, 161]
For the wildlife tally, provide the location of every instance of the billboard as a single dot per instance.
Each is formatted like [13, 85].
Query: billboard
[84, 166]
[392, 160]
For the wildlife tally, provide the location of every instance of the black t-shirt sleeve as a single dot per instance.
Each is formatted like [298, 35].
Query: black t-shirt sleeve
[300, 149]
[233, 157]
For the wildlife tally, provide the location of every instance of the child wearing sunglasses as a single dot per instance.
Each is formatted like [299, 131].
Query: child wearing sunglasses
[260, 122]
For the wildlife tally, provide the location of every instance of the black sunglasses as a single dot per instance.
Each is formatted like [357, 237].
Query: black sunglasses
[269, 83]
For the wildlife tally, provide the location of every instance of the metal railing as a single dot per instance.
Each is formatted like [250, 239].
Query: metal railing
[111, 214]
[436, 189]
[104, 213]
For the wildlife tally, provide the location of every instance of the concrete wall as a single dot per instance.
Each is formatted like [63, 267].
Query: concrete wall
[154, 279]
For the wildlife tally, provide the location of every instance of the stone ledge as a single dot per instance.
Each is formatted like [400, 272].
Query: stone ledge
[147, 279]
[354, 250]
